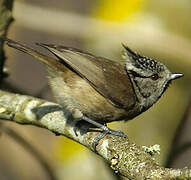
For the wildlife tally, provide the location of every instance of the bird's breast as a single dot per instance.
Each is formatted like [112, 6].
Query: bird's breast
[74, 91]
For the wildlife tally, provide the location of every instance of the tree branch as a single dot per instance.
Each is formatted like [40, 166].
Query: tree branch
[124, 156]
[177, 147]
[5, 16]
[5, 20]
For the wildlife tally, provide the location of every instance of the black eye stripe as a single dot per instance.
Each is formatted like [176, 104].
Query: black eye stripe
[153, 76]
[137, 75]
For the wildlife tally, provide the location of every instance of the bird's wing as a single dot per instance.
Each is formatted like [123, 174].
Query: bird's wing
[108, 77]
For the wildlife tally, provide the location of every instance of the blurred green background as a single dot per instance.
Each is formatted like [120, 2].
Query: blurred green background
[157, 29]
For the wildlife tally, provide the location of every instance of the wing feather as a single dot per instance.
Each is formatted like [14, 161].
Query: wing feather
[108, 77]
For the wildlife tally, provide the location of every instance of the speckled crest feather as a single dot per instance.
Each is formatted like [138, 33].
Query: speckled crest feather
[147, 63]
[143, 62]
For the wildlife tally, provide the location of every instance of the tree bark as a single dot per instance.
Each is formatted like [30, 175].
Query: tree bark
[124, 156]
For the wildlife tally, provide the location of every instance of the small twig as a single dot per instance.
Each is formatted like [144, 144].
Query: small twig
[36, 154]
[178, 151]
[175, 149]
[5, 21]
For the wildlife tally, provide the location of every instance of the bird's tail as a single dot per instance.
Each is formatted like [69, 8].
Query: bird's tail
[48, 60]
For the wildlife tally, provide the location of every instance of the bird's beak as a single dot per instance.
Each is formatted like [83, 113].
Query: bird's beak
[175, 75]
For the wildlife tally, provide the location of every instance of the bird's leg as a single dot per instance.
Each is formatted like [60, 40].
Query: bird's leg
[105, 129]
[80, 118]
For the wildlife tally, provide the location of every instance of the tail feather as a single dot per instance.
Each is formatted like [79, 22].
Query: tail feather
[50, 61]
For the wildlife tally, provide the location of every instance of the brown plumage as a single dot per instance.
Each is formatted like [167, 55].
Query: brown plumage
[100, 88]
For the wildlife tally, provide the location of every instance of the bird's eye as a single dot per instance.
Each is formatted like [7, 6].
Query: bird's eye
[154, 77]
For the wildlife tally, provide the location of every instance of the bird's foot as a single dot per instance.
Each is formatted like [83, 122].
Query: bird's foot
[105, 131]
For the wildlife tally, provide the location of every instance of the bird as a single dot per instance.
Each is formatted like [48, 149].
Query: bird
[103, 90]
